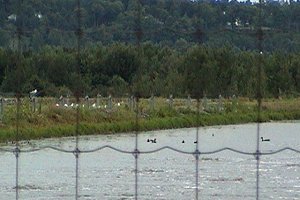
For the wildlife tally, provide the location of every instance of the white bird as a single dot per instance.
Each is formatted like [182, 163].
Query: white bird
[72, 104]
[33, 92]
[57, 105]
[66, 105]
[94, 105]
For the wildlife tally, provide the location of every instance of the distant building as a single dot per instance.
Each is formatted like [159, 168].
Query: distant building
[12, 17]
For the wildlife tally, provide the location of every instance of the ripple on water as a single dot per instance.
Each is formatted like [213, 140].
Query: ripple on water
[152, 171]
[293, 165]
[86, 196]
[28, 187]
[222, 179]
[209, 159]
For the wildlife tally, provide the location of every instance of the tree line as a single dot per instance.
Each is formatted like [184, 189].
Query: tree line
[121, 69]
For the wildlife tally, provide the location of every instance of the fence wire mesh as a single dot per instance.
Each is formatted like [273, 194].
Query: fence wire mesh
[198, 33]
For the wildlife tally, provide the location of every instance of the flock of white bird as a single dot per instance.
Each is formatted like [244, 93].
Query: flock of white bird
[34, 93]
[94, 105]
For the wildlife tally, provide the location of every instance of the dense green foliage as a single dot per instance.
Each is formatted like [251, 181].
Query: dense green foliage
[168, 22]
[119, 69]
[172, 58]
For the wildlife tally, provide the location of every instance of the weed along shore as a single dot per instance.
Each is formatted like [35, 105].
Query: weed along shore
[50, 117]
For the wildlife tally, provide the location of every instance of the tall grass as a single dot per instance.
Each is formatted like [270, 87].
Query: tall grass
[53, 121]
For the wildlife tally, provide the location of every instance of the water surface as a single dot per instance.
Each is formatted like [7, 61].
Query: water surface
[107, 174]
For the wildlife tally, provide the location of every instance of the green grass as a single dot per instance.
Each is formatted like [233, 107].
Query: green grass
[53, 121]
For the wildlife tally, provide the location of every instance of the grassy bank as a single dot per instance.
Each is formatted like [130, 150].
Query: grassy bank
[57, 121]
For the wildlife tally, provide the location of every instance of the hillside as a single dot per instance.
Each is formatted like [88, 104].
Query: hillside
[175, 23]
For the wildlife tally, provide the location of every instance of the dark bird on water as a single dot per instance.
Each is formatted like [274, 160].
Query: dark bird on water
[152, 141]
[182, 141]
[264, 140]
[195, 142]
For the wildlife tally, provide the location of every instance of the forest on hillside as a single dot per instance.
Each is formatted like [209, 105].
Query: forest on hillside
[167, 22]
[207, 45]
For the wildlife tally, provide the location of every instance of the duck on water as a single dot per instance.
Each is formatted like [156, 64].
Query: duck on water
[264, 140]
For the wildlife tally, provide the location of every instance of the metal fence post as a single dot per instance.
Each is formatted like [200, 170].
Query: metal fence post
[1, 108]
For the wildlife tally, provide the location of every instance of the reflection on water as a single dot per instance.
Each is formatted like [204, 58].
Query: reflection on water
[107, 174]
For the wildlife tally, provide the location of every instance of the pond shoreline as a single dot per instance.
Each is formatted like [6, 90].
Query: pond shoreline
[144, 124]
